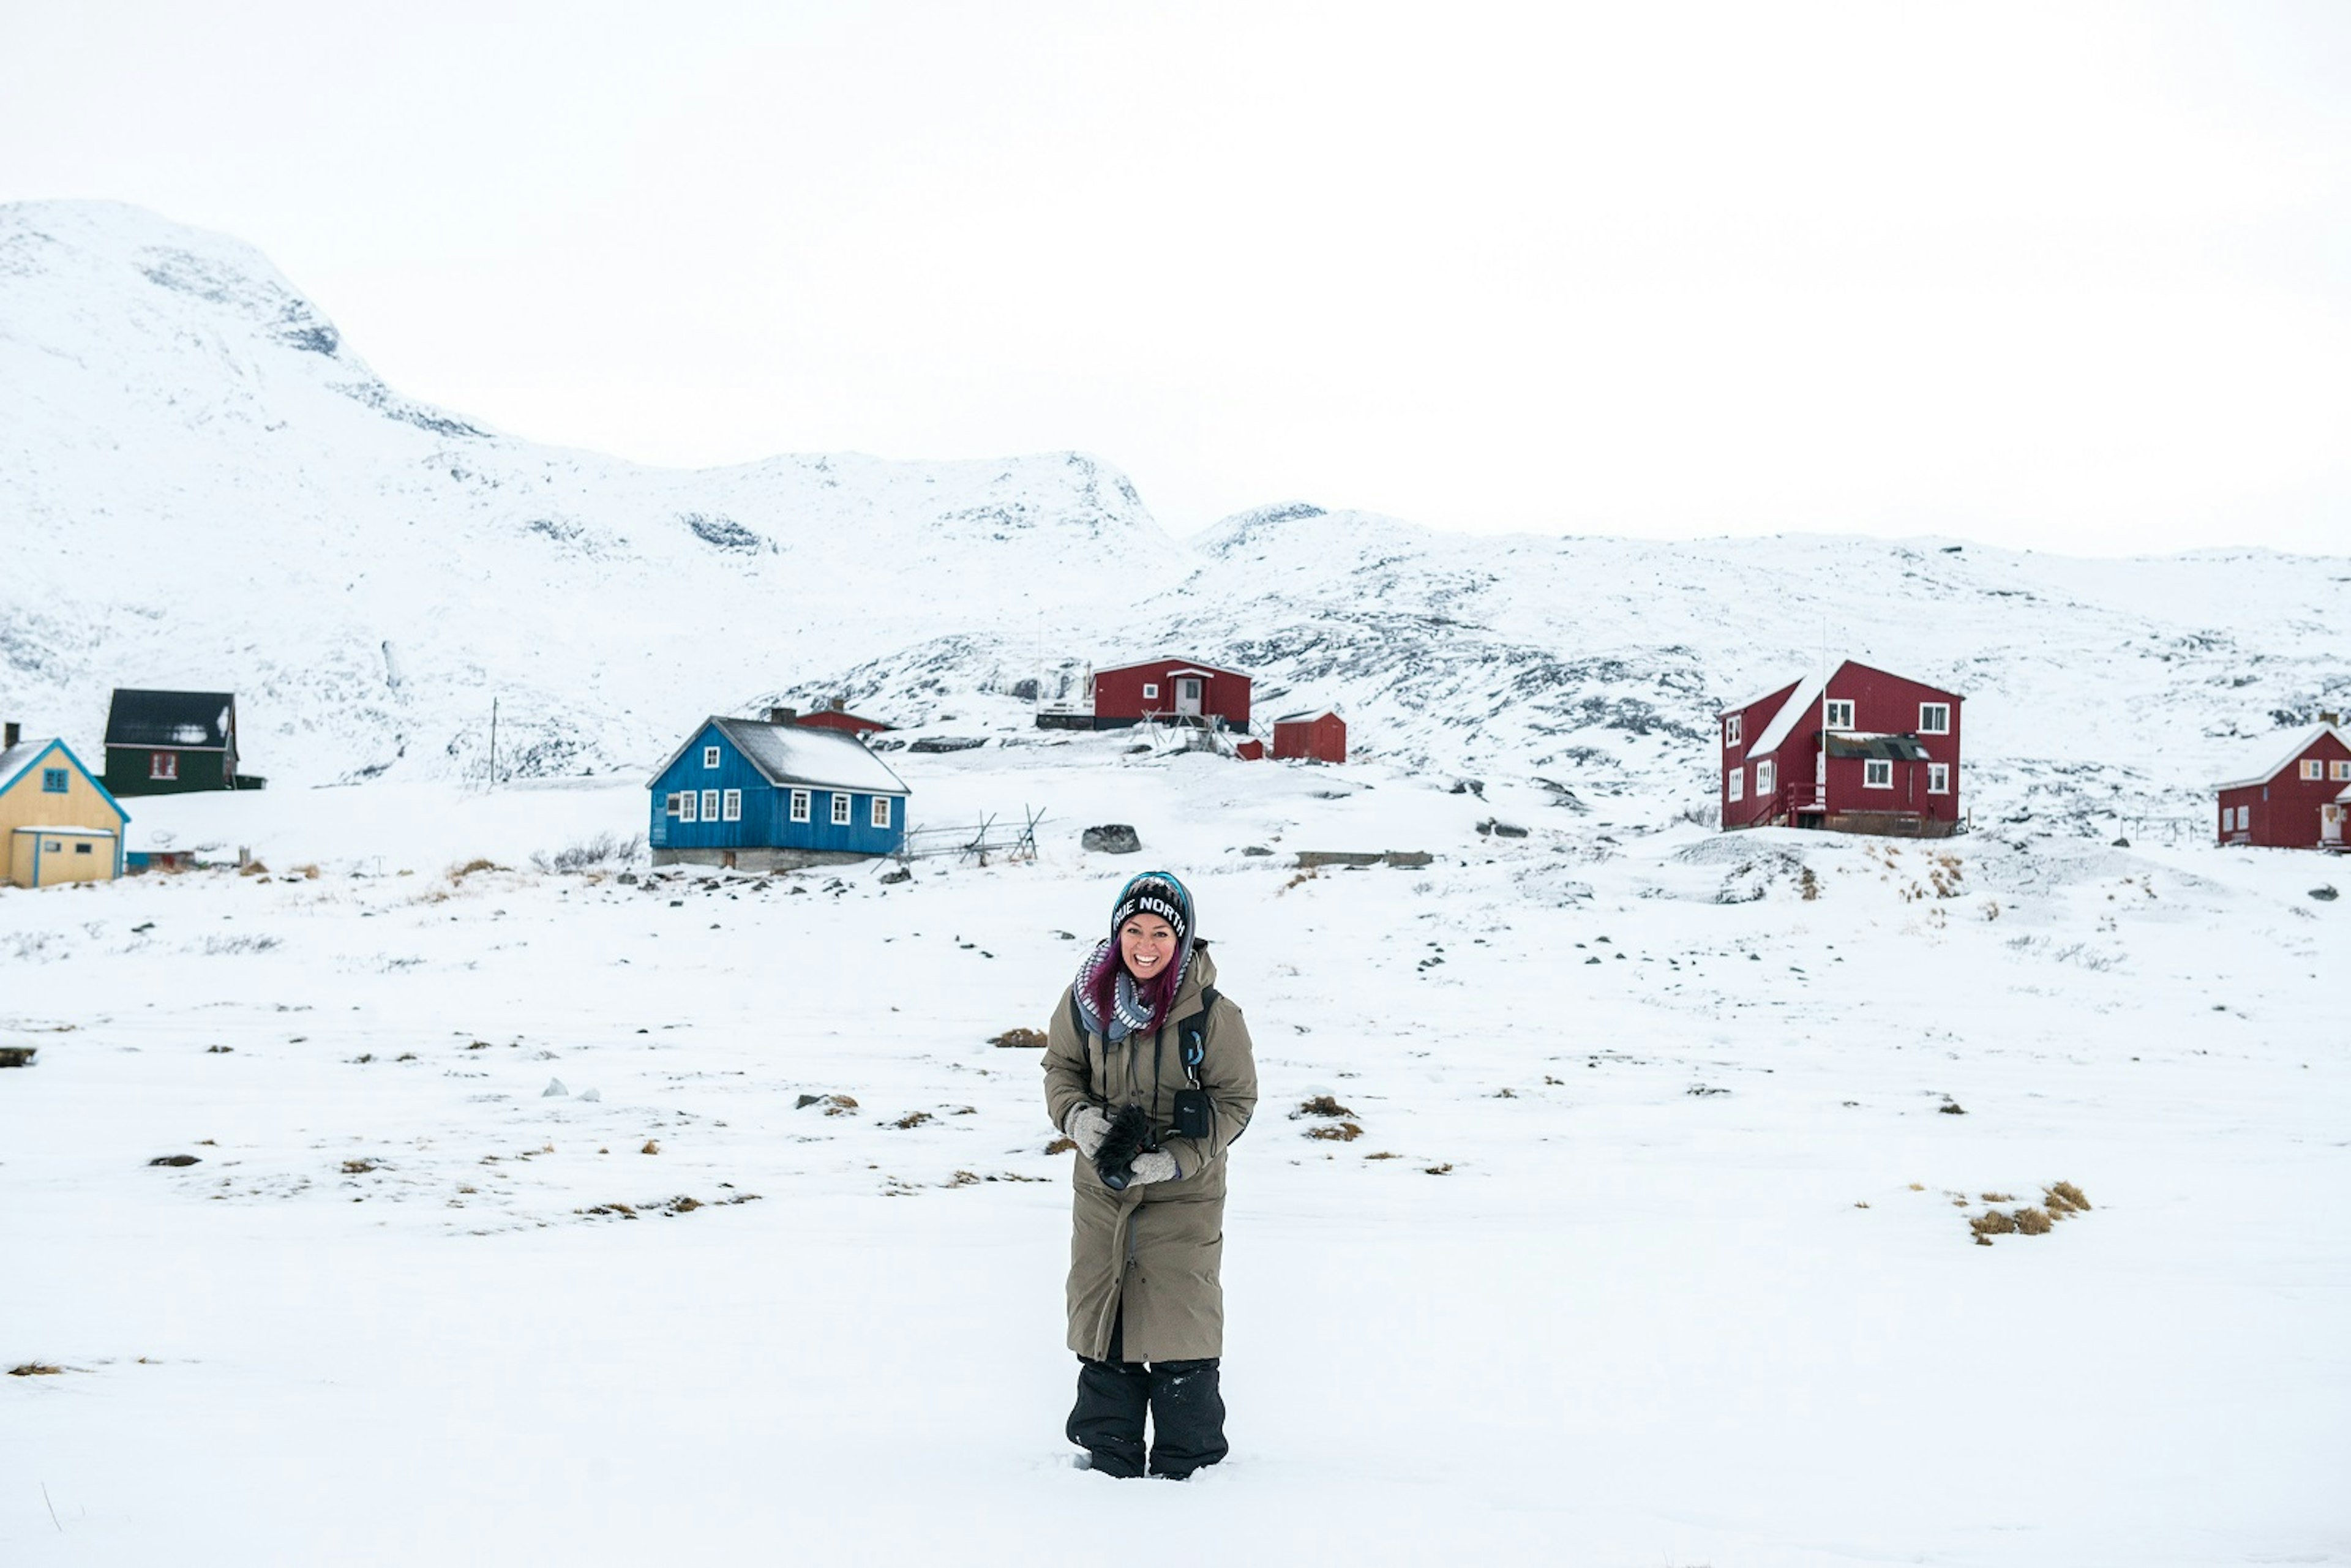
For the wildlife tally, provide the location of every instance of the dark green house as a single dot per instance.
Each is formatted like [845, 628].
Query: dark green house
[169, 743]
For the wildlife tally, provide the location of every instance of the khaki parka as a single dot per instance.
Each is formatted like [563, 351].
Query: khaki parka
[1153, 1252]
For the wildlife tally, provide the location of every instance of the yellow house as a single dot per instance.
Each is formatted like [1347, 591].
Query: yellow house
[57, 823]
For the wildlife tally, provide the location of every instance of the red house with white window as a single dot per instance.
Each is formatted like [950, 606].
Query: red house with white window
[1856, 749]
[2303, 802]
[1170, 690]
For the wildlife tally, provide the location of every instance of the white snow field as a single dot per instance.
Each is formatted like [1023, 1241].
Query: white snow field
[1654, 1247]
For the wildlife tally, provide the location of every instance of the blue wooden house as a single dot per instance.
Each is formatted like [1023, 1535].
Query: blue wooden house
[765, 797]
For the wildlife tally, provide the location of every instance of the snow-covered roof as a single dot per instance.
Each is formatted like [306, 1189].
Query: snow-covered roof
[190, 721]
[797, 754]
[1191, 667]
[19, 757]
[1307, 715]
[1800, 703]
[2302, 743]
[1751, 702]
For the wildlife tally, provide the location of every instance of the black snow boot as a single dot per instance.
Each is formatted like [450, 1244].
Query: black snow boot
[1107, 1421]
[1188, 1417]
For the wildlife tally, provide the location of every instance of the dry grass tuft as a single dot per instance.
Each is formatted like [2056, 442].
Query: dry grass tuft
[1808, 886]
[650, 1147]
[684, 1205]
[358, 1167]
[1383, 1155]
[1993, 1222]
[2033, 1222]
[1337, 1132]
[963, 1178]
[253, 868]
[461, 872]
[1440, 1170]
[911, 1119]
[1020, 1039]
[308, 873]
[34, 1369]
[1321, 1105]
[1997, 1197]
[1060, 1145]
[2064, 1197]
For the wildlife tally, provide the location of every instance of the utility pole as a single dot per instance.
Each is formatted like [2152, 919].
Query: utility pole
[494, 743]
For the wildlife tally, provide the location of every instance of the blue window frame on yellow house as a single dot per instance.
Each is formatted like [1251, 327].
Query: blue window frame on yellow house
[53, 780]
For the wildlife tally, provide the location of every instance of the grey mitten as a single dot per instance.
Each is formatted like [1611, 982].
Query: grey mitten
[1086, 1126]
[1153, 1165]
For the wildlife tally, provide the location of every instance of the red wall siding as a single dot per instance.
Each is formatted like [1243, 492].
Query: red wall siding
[1118, 694]
[847, 723]
[1884, 704]
[2285, 811]
[1323, 740]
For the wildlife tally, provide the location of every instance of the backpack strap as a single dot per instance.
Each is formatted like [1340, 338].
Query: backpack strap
[1194, 1032]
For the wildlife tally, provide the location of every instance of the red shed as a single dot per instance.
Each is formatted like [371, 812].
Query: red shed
[1167, 689]
[2302, 803]
[833, 717]
[1319, 736]
[1855, 749]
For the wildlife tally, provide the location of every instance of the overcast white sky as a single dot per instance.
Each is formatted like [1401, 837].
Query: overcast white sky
[2076, 276]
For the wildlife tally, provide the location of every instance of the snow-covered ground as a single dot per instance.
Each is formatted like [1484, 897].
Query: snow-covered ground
[1654, 1247]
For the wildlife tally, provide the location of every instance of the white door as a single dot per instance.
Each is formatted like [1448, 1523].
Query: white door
[2330, 823]
[1187, 694]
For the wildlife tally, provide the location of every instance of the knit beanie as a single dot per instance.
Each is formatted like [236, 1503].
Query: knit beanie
[1156, 892]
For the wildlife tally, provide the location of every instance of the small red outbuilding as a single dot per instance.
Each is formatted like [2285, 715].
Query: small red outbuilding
[2303, 802]
[1317, 735]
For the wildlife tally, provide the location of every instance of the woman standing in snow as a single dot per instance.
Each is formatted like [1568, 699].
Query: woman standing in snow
[1148, 1070]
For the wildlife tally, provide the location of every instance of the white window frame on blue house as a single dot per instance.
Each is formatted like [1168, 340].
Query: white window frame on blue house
[1939, 779]
[55, 781]
[710, 757]
[1877, 773]
[800, 805]
[880, 815]
[730, 806]
[840, 811]
[1934, 718]
[685, 799]
[710, 805]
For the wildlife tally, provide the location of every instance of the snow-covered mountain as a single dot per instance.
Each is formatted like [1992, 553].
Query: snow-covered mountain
[205, 486]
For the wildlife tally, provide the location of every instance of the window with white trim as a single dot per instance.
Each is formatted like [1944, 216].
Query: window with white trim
[1877, 774]
[1838, 713]
[730, 805]
[800, 805]
[162, 765]
[1939, 779]
[1730, 730]
[2313, 769]
[2342, 770]
[2245, 818]
[1738, 783]
[710, 805]
[1767, 773]
[685, 799]
[710, 757]
[1150, 690]
[669, 806]
[1934, 718]
[881, 813]
[841, 808]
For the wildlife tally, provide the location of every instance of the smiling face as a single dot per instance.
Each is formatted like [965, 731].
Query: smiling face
[1147, 943]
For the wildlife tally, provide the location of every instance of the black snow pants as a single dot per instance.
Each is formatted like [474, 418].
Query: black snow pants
[1186, 1406]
